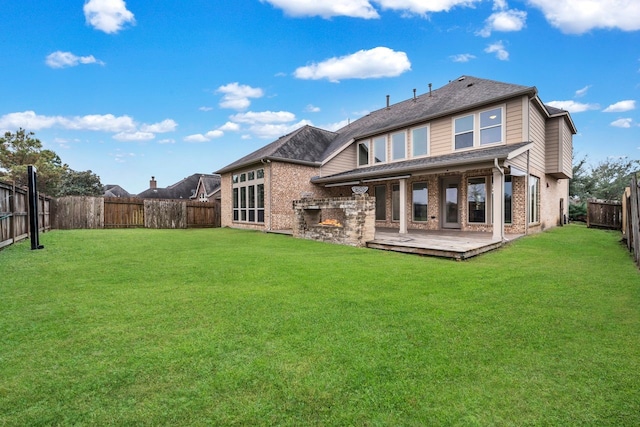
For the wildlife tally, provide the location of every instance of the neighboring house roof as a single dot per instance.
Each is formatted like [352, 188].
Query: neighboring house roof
[183, 189]
[115, 191]
[469, 157]
[314, 146]
[211, 184]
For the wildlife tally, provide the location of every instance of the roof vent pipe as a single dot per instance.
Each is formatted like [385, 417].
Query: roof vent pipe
[429, 89]
[414, 94]
[387, 102]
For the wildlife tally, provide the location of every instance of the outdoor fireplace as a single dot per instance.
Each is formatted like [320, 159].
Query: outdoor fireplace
[343, 220]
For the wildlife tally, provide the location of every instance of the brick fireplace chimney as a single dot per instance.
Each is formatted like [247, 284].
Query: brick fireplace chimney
[153, 183]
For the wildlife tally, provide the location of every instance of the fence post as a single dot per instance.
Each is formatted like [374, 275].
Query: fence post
[635, 218]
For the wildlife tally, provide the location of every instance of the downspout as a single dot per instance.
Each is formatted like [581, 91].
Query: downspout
[267, 162]
[527, 196]
[501, 198]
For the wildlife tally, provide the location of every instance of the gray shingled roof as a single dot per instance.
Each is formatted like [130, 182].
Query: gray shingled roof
[211, 183]
[183, 189]
[500, 152]
[304, 145]
[312, 145]
[115, 191]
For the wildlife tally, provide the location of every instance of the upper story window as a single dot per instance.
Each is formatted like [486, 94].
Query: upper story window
[475, 130]
[394, 147]
[491, 126]
[398, 146]
[363, 153]
[380, 149]
[419, 142]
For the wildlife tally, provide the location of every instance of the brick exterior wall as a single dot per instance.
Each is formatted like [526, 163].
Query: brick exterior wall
[286, 182]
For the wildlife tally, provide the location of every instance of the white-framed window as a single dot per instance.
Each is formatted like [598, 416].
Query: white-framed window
[399, 146]
[508, 196]
[463, 132]
[395, 202]
[248, 196]
[479, 129]
[420, 141]
[363, 153]
[477, 200]
[491, 126]
[534, 199]
[420, 197]
[380, 149]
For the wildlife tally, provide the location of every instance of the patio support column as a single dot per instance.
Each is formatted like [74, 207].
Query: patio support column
[403, 206]
[498, 203]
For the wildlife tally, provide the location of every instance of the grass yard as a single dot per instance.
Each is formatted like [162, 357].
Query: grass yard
[229, 327]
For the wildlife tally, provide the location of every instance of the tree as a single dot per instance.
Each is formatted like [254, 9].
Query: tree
[609, 178]
[606, 180]
[84, 183]
[21, 149]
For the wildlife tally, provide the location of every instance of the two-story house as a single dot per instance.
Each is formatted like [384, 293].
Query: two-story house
[474, 155]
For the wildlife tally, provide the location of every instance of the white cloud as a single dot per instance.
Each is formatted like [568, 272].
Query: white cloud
[212, 134]
[573, 106]
[621, 106]
[125, 128]
[205, 108]
[99, 122]
[583, 91]
[27, 120]
[230, 126]
[134, 136]
[236, 96]
[61, 59]
[462, 57]
[422, 7]
[109, 16]
[312, 109]
[196, 138]
[499, 49]
[337, 125]
[273, 131]
[622, 123]
[505, 21]
[365, 64]
[580, 16]
[164, 126]
[167, 141]
[326, 8]
[264, 117]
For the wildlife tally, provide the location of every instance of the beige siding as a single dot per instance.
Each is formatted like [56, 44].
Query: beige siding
[346, 160]
[513, 121]
[538, 135]
[441, 137]
[553, 145]
[567, 150]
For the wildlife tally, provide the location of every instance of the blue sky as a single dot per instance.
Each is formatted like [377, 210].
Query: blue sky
[170, 88]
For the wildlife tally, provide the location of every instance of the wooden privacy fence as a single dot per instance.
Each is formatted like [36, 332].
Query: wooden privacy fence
[631, 221]
[119, 212]
[604, 214]
[14, 214]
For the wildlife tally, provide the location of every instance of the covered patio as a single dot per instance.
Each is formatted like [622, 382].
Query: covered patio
[453, 244]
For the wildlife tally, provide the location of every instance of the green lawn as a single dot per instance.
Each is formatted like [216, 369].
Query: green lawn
[229, 327]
